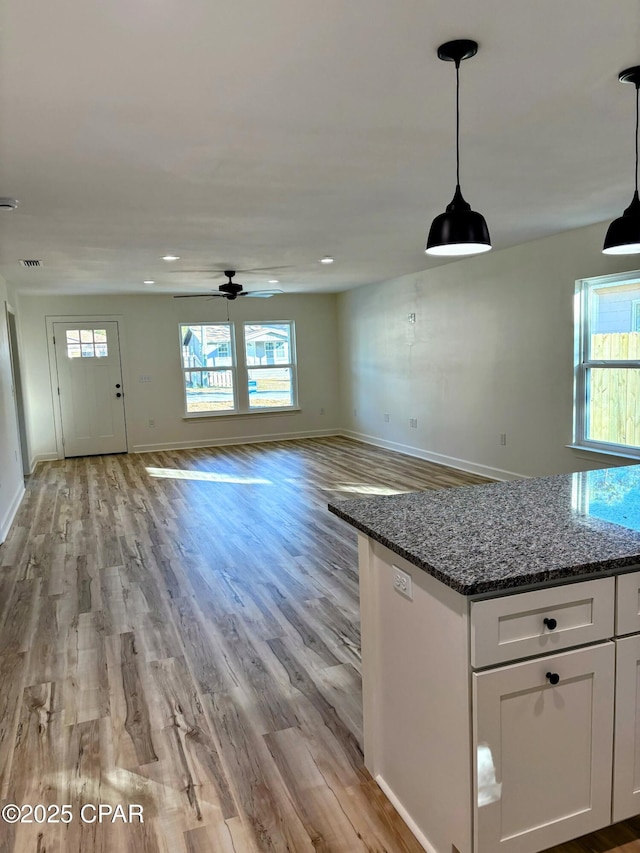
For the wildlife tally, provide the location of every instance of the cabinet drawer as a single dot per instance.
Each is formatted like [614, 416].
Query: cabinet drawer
[512, 627]
[628, 604]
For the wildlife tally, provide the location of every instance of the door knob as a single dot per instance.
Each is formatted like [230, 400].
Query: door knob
[553, 677]
[550, 623]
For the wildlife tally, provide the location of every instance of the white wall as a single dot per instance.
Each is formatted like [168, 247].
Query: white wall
[11, 477]
[491, 352]
[150, 346]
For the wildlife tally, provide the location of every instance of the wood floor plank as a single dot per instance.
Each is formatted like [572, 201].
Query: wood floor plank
[180, 629]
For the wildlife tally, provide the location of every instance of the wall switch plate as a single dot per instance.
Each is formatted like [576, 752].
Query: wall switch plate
[503, 438]
[144, 378]
[322, 411]
[152, 423]
[413, 423]
[402, 583]
[412, 318]
[386, 417]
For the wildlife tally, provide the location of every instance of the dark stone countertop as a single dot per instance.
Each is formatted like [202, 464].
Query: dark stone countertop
[482, 539]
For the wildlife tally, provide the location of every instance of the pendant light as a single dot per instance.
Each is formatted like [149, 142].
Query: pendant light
[623, 236]
[459, 230]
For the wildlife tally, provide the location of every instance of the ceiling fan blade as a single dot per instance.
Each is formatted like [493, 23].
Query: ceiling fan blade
[261, 294]
[266, 269]
[186, 272]
[238, 272]
[194, 295]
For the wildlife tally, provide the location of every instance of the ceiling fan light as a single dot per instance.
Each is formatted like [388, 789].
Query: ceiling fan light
[623, 235]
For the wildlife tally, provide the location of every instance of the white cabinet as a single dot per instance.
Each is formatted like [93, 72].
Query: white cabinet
[626, 777]
[543, 750]
[628, 604]
[477, 747]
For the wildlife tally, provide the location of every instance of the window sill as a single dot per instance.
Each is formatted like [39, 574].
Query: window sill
[268, 412]
[618, 454]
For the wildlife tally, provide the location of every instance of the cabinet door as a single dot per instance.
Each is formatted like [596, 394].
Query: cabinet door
[626, 777]
[543, 751]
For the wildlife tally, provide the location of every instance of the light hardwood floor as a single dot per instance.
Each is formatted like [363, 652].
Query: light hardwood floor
[179, 630]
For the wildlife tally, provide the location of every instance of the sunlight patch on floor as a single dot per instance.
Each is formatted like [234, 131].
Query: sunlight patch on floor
[366, 489]
[208, 476]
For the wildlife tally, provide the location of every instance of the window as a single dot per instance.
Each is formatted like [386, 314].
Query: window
[225, 376]
[607, 387]
[87, 343]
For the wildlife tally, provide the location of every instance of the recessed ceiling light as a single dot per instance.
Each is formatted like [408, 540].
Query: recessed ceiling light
[273, 281]
[148, 281]
[326, 260]
[171, 258]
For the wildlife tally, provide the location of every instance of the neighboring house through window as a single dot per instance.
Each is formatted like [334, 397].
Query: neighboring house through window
[607, 381]
[238, 372]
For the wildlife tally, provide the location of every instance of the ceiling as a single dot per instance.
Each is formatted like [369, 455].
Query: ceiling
[245, 133]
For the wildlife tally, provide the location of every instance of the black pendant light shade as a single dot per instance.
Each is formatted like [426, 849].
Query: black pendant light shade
[623, 235]
[459, 230]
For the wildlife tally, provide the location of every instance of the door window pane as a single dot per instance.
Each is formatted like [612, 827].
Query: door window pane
[270, 388]
[613, 413]
[83, 343]
[209, 390]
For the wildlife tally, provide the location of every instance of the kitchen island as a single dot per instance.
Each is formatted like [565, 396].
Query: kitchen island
[501, 653]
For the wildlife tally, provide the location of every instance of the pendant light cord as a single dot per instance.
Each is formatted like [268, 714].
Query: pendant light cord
[458, 128]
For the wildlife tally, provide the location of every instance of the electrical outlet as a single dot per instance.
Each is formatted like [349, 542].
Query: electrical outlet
[402, 583]
[386, 417]
[503, 438]
[152, 423]
[413, 423]
[411, 318]
[322, 411]
[144, 378]
[355, 413]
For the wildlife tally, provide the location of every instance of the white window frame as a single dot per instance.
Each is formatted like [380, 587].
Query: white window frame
[240, 370]
[233, 367]
[583, 363]
[291, 365]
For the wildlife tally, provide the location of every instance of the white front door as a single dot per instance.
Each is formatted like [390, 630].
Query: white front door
[90, 387]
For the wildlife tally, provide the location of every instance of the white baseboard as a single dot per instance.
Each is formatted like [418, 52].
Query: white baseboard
[406, 817]
[438, 458]
[240, 439]
[41, 457]
[10, 514]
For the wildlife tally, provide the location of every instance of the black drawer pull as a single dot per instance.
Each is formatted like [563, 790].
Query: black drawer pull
[551, 624]
[553, 677]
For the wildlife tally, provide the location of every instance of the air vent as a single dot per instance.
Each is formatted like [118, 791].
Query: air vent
[31, 263]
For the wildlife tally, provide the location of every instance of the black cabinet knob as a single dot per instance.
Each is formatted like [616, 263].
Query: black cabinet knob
[553, 677]
[551, 624]
[118, 394]
[118, 385]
